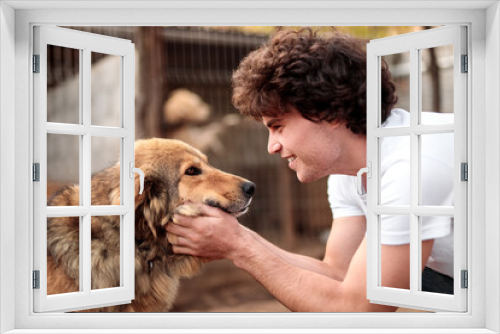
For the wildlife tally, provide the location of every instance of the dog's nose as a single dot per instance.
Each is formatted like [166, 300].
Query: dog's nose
[248, 188]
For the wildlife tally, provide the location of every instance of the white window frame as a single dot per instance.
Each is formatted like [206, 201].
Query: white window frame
[414, 43]
[86, 43]
[483, 20]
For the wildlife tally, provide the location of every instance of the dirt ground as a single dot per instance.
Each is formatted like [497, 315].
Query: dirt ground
[222, 287]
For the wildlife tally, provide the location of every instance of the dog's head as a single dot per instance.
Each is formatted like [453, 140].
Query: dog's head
[176, 173]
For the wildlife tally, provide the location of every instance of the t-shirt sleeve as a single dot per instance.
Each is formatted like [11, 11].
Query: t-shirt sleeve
[395, 229]
[341, 201]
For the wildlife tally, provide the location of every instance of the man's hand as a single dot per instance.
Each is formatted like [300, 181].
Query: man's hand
[212, 235]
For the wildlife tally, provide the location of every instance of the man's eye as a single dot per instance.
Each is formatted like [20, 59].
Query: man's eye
[193, 171]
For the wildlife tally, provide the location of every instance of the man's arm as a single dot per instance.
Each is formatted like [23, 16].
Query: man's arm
[298, 287]
[297, 260]
[306, 291]
[345, 236]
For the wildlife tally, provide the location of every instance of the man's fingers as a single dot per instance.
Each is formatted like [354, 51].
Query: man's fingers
[181, 220]
[190, 222]
[185, 214]
[210, 211]
[181, 242]
[183, 250]
[176, 231]
[172, 238]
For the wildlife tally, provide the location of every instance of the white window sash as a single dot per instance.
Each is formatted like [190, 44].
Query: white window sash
[85, 42]
[412, 43]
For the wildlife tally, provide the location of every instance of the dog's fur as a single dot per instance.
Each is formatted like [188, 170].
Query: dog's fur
[175, 174]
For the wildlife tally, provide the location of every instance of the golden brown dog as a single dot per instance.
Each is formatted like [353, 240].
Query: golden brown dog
[175, 173]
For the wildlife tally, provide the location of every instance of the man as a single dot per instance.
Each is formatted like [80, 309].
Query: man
[310, 92]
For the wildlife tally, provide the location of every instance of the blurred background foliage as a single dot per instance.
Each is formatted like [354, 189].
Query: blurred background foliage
[363, 32]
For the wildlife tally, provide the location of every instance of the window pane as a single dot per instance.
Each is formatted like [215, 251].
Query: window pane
[395, 170]
[63, 255]
[106, 89]
[437, 84]
[106, 238]
[438, 275]
[437, 169]
[395, 251]
[399, 67]
[63, 85]
[105, 171]
[63, 170]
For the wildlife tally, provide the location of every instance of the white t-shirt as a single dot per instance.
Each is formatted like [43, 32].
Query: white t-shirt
[437, 188]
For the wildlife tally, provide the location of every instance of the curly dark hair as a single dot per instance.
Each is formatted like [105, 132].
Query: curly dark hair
[324, 78]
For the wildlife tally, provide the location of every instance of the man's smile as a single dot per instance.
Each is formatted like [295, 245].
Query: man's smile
[291, 159]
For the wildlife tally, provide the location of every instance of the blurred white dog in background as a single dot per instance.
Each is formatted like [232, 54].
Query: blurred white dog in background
[187, 115]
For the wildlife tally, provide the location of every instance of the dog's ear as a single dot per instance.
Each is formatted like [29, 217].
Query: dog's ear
[152, 206]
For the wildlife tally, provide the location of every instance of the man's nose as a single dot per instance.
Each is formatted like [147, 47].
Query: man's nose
[273, 146]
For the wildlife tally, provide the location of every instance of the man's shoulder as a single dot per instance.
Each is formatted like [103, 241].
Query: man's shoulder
[397, 117]
[342, 178]
[340, 181]
[401, 117]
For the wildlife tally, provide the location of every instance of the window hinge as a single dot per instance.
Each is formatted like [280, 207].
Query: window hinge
[465, 64]
[36, 63]
[36, 172]
[465, 279]
[36, 279]
[464, 168]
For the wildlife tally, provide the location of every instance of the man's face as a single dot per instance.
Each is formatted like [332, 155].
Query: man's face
[312, 149]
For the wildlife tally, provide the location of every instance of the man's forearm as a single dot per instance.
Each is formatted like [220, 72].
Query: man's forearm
[301, 289]
[297, 260]
[300, 284]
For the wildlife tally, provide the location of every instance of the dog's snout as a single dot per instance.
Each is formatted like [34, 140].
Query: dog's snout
[248, 188]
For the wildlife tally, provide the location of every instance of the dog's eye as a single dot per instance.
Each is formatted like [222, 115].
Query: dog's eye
[193, 171]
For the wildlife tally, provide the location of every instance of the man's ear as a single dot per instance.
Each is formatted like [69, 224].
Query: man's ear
[336, 123]
[152, 204]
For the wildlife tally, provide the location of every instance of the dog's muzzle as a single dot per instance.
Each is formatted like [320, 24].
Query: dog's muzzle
[247, 189]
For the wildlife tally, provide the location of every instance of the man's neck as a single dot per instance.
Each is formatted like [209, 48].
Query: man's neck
[353, 152]
[357, 154]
